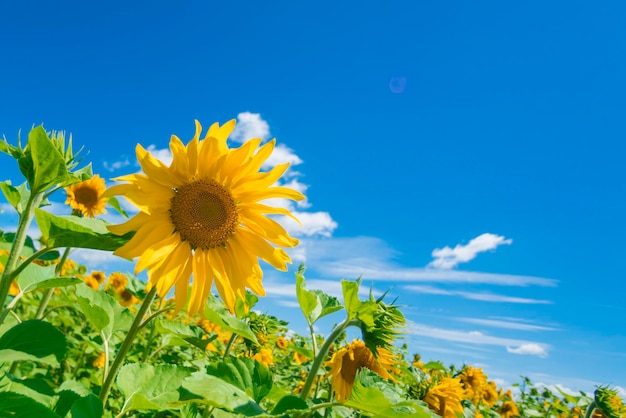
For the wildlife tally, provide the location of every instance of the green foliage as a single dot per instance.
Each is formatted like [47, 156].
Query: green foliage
[245, 373]
[315, 304]
[217, 313]
[32, 340]
[76, 232]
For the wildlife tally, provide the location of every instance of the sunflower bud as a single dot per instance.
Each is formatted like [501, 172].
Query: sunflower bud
[609, 403]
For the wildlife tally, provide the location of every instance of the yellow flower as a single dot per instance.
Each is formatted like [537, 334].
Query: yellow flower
[14, 290]
[281, 342]
[264, 357]
[69, 267]
[445, 397]
[98, 276]
[127, 298]
[118, 281]
[203, 215]
[346, 362]
[86, 197]
[474, 382]
[508, 409]
[91, 282]
[299, 358]
[99, 362]
[490, 394]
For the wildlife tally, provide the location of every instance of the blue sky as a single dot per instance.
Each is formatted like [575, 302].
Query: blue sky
[467, 155]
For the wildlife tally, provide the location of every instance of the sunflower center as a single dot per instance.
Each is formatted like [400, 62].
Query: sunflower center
[204, 213]
[86, 196]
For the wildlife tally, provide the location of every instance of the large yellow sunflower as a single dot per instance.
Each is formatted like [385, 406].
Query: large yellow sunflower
[203, 216]
[445, 397]
[346, 362]
[86, 197]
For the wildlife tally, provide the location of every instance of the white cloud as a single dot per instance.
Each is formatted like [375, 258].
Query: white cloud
[282, 154]
[116, 165]
[474, 337]
[532, 349]
[101, 260]
[496, 323]
[313, 224]
[250, 125]
[448, 258]
[482, 296]
[164, 154]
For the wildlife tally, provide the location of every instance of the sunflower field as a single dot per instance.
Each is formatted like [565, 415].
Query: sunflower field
[76, 342]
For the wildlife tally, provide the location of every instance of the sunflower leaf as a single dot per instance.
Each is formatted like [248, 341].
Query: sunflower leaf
[103, 311]
[35, 277]
[18, 405]
[72, 231]
[245, 373]
[216, 312]
[315, 304]
[379, 398]
[16, 196]
[351, 297]
[150, 387]
[33, 339]
[48, 165]
[211, 390]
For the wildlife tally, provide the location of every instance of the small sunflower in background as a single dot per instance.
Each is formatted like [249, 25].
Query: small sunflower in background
[508, 409]
[346, 363]
[444, 398]
[474, 381]
[85, 198]
[203, 216]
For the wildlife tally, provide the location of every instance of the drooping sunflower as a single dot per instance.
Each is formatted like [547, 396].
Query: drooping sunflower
[609, 403]
[345, 364]
[86, 197]
[203, 216]
[474, 381]
[445, 397]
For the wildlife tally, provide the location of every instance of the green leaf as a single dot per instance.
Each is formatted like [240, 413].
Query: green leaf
[48, 164]
[35, 277]
[218, 314]
[35, 338]
[115, 204]
[17, 405]
[88, 407]
[351, 297]
[16, 196]
[184, 334]
[76, 232]
[245, 373]
[150, 387]
[315, 304]
[69, 392]
[211, 390]
[288, 404]
[373, 395]
[103, 311]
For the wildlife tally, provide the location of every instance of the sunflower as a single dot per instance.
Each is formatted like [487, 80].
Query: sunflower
[203, 216]
[98, 363]
[118, 281]
[609, 403]
[264, 357]
[474, 381]
[508, 409]
[490, 394]
[445, 397]
[281, 342]
[86, 197]
[346, 362]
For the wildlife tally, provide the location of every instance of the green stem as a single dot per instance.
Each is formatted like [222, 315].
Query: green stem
[26, 218]
[49, 292]
[128, 341]
[231, 340]
[592, 406]
[146, 351]
[319, 359]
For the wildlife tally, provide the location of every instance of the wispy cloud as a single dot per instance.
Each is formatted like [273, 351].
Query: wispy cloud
[512, 345]
[448, 258]
[374, 259]
[498, 323]
[482, 296]
[162, 154]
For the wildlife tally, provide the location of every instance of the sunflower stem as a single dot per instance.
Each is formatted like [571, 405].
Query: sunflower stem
[128, 341]
[49, 292]
[592, 406]
[321, 355]
[231, 340]
[26, 218]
